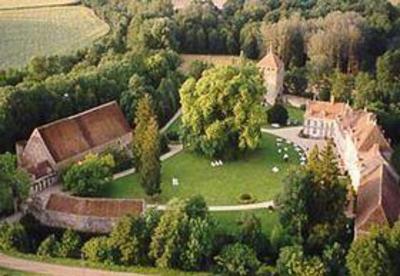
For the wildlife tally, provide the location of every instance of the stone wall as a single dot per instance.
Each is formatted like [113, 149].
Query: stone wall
[295, 101]
[91, 215]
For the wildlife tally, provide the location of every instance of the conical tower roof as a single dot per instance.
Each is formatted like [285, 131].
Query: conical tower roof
[271, 60]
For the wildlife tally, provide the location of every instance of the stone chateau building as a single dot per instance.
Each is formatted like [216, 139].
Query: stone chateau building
[56, 145]
[274, 71]
[365, 154]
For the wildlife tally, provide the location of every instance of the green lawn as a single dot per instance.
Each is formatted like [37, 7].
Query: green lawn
[219, 186]
[230, 221]
[175, 126]
[12, 272]
[295, 113]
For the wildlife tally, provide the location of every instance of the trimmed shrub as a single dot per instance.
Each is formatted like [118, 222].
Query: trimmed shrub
[13, 237]
[100, 250]
[122, 157]
[237, 259]
[246, 198]
[69, 245]
[49, 247]
[277, 114]
[88, 177]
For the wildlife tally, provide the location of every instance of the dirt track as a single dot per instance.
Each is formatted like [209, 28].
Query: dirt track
[52, 269]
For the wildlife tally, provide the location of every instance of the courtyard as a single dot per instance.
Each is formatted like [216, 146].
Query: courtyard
[252, 174]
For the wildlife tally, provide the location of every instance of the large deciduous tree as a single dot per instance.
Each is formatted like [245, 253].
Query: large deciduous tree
[287, 36]
[222, 112]
[146, 147]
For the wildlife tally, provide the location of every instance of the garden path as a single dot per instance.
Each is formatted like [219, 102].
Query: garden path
[292, 134]
[173, 119]
[227, 208]
[53, 269]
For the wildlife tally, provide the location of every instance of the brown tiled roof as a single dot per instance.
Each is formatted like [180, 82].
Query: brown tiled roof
[325, 110]
[271, 61]
[95, 207]
[378, 199]
[367, 133]
[68, 137]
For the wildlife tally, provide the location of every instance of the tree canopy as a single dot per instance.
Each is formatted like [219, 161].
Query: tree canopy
[222, 111]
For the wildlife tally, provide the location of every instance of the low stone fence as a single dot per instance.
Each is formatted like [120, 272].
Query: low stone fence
[43, 183]
[295, 101]
[91, 215]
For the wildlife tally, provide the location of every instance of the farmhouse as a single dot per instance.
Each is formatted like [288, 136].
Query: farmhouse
[364, 152]
[274, 71]
[56, 145]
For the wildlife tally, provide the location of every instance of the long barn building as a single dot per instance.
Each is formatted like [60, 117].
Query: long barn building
[365, 154]
[56, 145]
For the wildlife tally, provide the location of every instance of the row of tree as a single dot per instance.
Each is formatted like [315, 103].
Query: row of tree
[184, 236]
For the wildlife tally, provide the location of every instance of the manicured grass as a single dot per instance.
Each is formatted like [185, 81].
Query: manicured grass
[221, 185]
[46, 31]
[13, 272]
[175, 127]
[295, 113]
[101, 266]
[230, 221]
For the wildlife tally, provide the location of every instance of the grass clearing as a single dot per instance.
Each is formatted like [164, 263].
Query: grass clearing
[229, 222]
[295, 114]
[181, 4]
[13, 272]
[222, 60]
[46, 31]
[221, 185]
[25, 4]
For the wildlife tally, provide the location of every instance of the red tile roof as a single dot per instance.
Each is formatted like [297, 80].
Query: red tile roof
[271, 61]
[378, 199]
[325, 110]
[96, 207]
[68, 137]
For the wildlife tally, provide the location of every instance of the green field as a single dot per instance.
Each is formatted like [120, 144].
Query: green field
[181, 4]
[230, 221]
[12, 272]
[220, 186]
[295, 114]
[24, 4]
[46, 31]
[222, 60]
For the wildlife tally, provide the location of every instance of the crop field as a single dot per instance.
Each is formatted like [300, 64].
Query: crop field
[180, 4]
[26, 33]
[212, 59]
[24, 4]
